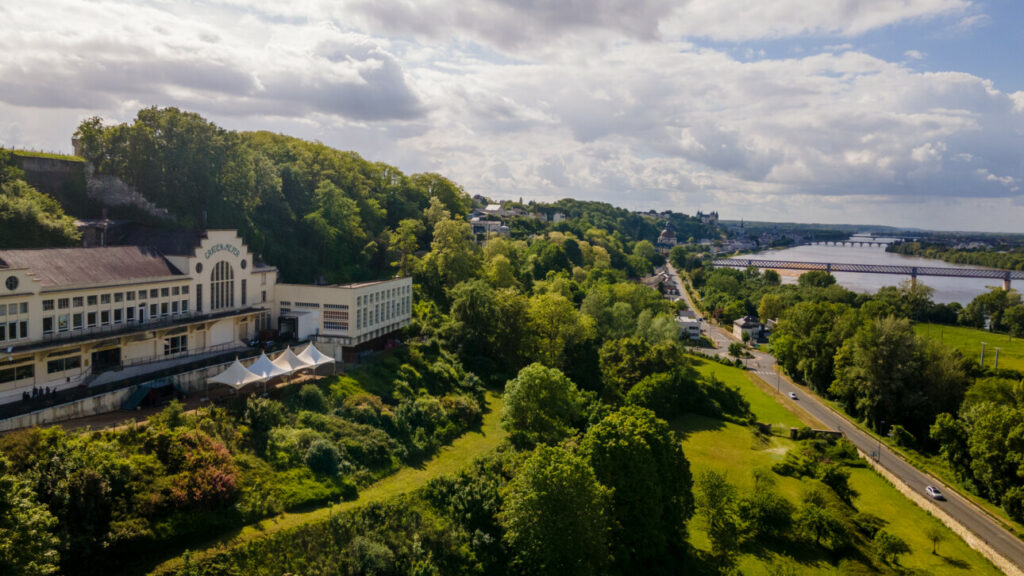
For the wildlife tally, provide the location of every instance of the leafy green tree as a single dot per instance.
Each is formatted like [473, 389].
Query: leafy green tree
[454, 256]
[541, 405]
[816, 278]
[771, 306]
[991, 305]
[935, 534]
[951, 434]
[556, 324]
[885, 374]
[819, 519]
[501, 273]
[637, 455]
[28, 546]
[1014, 320]
[765, 512]
[403, 245]
[627, 361]
[556, 516]
[656, 328]
[451, 195]
[490, 327]
[669, 394]
[717, 507]
[807, 337]
[889, 547]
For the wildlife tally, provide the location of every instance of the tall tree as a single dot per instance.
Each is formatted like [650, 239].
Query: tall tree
[541, 405]
[637, 455]
[555, 516]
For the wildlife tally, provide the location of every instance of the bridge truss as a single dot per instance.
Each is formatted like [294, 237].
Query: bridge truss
[913, 271]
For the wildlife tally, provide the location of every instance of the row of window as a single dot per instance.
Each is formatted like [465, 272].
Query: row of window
[176, 345]
[14, 309]
[62, 364]
[13, 330]
[382, 294]
[382, 312]
[115, 297]
[17, 373]
[81, 320]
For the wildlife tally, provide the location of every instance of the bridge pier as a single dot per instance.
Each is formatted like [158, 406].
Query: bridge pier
[1006, 283]
[913, 278]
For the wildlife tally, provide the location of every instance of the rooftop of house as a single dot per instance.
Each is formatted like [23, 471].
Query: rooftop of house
[54, 267]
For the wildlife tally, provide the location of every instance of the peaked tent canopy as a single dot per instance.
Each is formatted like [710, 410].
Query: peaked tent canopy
[315, 357]
[265, 368]
[290, 362]
[236, 376]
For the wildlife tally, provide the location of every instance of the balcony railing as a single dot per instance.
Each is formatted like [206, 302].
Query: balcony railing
[99, 332]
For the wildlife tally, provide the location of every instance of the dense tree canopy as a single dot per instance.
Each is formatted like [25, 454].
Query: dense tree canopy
[556, 516]
[639, 457]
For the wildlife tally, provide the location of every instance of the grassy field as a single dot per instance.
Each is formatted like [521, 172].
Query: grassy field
[768, 405]
[968, 342]
[735, 451]
[448, 460]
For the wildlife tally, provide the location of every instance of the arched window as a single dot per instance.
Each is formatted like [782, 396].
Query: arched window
[222, 286]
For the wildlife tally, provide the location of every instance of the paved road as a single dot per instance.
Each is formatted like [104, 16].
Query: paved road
[978, 522]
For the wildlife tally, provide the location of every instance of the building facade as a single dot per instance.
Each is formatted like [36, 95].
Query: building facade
[84, 316]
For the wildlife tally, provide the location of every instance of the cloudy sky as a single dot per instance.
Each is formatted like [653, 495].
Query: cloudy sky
[902, 112]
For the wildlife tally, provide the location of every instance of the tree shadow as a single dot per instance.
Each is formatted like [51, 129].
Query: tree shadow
[954, 562]
[691, 423]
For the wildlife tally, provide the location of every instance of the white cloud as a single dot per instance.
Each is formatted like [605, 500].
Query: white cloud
[914, 55]
[542, 100]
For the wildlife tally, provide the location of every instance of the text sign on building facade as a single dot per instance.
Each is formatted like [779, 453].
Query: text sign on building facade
[220, 248]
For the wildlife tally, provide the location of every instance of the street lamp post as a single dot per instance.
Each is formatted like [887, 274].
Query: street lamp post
[878, 455]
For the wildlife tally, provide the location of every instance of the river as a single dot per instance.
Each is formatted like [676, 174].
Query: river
[961, 290]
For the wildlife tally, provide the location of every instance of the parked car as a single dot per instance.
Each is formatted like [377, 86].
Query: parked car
[934, 493]
[792, 395]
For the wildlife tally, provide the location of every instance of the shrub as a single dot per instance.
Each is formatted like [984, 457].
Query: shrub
[902, 437]
[311, 398]
[322, 457]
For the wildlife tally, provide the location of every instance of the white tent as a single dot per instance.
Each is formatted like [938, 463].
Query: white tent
[315, 357]
[265, 368]
[290, 362]
[236, 376]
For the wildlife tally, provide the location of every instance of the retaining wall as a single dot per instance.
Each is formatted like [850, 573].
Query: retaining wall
[1008, 568]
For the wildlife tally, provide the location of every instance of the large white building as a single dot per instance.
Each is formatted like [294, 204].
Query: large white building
[80, 316]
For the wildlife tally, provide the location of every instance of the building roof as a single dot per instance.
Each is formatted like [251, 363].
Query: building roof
[54, 267]
[747, 322]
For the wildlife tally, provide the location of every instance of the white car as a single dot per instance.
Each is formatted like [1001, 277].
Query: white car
[934, 493]
[792, 395]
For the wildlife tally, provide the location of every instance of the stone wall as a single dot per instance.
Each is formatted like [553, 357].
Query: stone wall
[190, 382]
[81, 191]
[1008, 568]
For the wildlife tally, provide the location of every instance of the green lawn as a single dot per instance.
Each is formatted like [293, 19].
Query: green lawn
[448, 460]
[968, 342]
[735, 451]
[764, 406]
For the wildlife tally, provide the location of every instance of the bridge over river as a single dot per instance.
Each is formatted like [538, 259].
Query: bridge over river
[913, 271]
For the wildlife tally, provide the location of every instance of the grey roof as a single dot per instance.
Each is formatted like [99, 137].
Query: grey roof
[55, 267]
